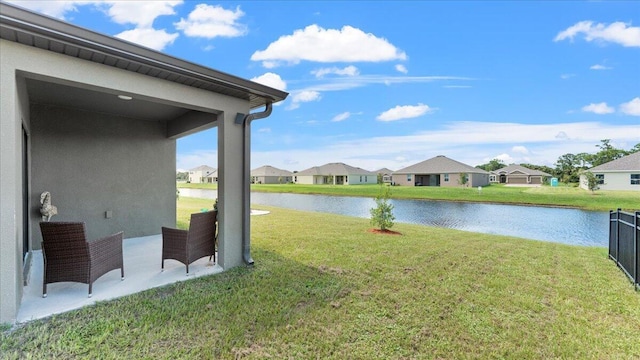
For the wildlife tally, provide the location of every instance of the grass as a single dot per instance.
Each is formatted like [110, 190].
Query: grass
[336, 291]
[563, 196]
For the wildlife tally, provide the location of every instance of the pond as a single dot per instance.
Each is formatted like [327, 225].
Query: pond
[568, 226]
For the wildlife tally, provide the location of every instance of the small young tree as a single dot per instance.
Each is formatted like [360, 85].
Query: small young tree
[382, 214]
[464, 178]
[592, 181]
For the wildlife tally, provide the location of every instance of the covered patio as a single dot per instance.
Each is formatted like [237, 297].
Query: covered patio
[93, 120]
[141, 269]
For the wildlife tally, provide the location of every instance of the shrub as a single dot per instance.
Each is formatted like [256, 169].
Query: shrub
[382, 214]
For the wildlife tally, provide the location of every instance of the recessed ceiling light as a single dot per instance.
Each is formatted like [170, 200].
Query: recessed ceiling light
[124, 97]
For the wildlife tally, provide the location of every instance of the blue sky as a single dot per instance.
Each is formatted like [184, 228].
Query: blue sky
[389, 84]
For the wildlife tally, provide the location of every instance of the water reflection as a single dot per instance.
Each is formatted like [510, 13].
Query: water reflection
[569, 226]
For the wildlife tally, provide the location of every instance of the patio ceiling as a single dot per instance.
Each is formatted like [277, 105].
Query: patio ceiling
[49, 93]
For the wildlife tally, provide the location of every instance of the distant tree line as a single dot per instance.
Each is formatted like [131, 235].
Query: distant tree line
[569, 166]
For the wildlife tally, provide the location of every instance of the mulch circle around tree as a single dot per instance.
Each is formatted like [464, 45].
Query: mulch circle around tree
[386, 232]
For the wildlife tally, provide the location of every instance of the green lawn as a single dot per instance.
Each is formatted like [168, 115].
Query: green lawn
[566, 196]
[323, 287]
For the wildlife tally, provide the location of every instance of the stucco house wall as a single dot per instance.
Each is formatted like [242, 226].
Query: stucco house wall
[473, 179]
[272, 179]
[307, 179]
[404, 179]
[476, 180]
[362, 179]
[92, 163]
[613, 181]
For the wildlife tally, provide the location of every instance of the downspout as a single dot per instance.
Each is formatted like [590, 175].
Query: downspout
[245, 121]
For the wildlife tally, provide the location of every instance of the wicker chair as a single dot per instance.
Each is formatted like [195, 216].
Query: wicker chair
[68, 256]
[190, 245]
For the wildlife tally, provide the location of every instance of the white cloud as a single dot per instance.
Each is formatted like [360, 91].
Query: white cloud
[272, 80]
[562, 135]
[210, 21]
[306, 96]
[505, 158]
[302, 97]
[341, 117]
[151, 38]
[140, 13]
[404, 112]
[520, 149]
[468, 142]
[567, 76]
[600, 67]
[351, 82]
[600, 108]
[401, 68]
[56, 9]
[264, 130]
[347, 71]
[631, 108]
[317, 44]
[617, 32]
[457, 86]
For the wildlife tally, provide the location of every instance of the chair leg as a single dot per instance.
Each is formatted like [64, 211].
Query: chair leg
[187, 269]
[162, 266]
[122, 272]
[90, 289]
[44, 289]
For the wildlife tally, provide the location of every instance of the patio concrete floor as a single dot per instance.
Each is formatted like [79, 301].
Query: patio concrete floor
[142, 259]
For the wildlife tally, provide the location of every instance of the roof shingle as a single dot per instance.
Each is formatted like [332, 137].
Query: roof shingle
[630, 162]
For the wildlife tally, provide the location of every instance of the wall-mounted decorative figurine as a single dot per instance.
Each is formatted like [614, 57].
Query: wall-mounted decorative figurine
[47, 210]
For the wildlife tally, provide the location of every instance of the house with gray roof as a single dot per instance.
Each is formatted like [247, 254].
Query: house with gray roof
[270, 175]
[386, 174]
[203, 174]
[518, 175]
[94, 120]
[335, 174]
[440, 171]
[619, 174]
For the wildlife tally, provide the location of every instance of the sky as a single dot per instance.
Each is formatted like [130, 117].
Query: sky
[378, 84]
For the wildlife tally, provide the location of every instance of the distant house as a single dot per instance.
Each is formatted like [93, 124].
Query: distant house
[517, 174]
[270, 175]
[620, 174]
[440, 171]
[335, 174]
[203, 174]
[386, 174]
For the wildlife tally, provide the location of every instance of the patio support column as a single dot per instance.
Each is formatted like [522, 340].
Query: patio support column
[10, 191]
[230, 187]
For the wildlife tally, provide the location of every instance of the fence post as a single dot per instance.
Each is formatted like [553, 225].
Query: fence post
[618, 236]
[636, 248]
[610, 239]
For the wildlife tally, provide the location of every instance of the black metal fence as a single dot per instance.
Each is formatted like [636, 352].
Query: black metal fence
[624, 242]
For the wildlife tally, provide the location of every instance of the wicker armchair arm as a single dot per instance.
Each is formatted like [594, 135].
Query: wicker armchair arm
[106, 254]
[106, 247]
[174, 236]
